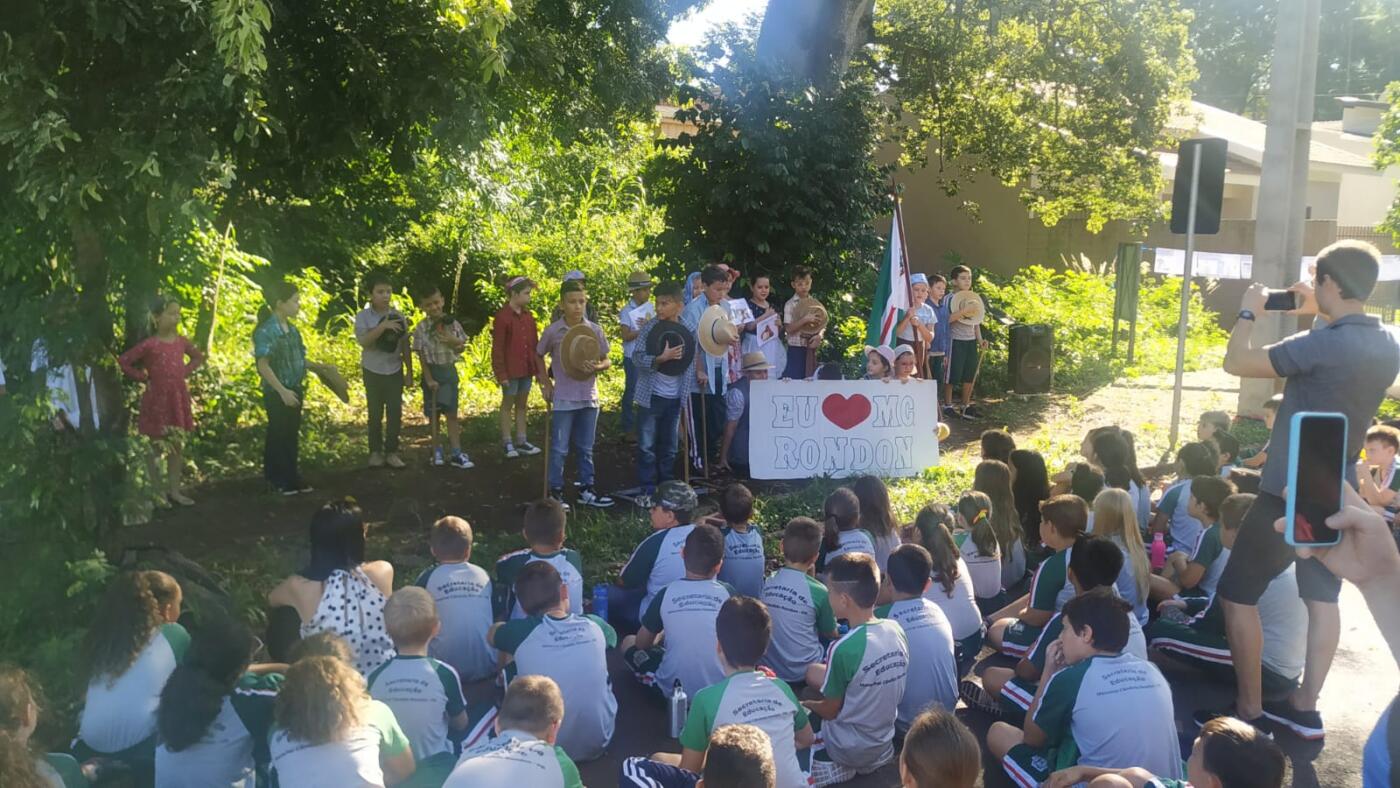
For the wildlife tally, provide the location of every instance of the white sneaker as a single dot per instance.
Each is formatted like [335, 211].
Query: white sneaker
[511, 452]
[461, 460]
[376, 460]
[526, 447]
[437, 456]
[393, 461]
[587, 497]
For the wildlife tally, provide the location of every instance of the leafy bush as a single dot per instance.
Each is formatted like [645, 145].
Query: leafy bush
[1078, 306]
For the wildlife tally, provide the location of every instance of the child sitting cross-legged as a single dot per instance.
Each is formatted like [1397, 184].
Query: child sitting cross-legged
[656, 562]
[739, 757]
[1173, 516]
[462, 593]
[1095, 563]
[743, 542]
[20, 765]
[843, 533]
[1097, 705]
[939, 752]
[684, 612]
[980, 549]
[798, 604]
[862, 680]
[952, 588]
[1062, 520]
[932, 679]
[1195, 573]
[523, 752]
[543, 530]
[570, 649]
[424, 694]
[1228, 753]
[748, 695]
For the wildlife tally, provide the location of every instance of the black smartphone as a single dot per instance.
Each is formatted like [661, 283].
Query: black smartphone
[1281, 301]
[1316, 473]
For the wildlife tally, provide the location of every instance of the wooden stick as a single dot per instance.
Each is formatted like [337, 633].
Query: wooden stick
[547, 430]
[704, 436]
[685, 439]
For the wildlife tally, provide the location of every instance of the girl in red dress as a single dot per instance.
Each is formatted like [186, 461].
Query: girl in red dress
[159, 360]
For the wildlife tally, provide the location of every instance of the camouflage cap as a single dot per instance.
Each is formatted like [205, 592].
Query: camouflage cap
[675, 496]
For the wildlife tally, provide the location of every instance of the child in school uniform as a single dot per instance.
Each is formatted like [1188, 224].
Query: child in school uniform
[800, 337]
[743, 542]
[939, 752]
[932, 678]
[1271, 406]
[461, 592]
[843, 533]
[1063, 520]
[1115, 519]
[573, 402]
[329, 733]
[1212, 423]
[979, 549]
[216, 711]
[1197, 573]
[386, 362]
[19, 718]
[514, 363]
[657, 397]
[952, 588]
[1097, 705]
[1228, 753]
[1376, 476]
[569, 648]
[748, 695]
[1227, 447]
[877, 516]
[545, 522]
[656, 562]
[438, 339]
[1173, 517]
[524, 751]
[861, 681]
[798, 604]
[133, 646]
[424, 694]
[636, 312]
[685, 612]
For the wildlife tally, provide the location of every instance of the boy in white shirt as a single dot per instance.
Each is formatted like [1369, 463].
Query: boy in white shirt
[635, 313]
[544, 527]
[462, 592]
[685, 612]
[570, 649]
[656, 562]
[932, 678]
[798, 604]
[743, 542]
[524, 752]
[748, 695]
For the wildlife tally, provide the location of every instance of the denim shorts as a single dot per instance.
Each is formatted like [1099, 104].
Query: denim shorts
[516, 386]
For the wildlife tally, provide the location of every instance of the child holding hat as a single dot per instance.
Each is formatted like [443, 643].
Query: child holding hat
[579, 352]
[635, 313]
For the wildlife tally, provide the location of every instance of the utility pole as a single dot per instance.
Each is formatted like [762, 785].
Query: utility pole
[1283, 179]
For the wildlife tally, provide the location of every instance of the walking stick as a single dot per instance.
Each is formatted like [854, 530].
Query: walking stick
[704, 436]
[548, 412]
[685, 441]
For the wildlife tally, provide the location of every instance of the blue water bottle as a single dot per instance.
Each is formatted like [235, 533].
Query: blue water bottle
[600, 601]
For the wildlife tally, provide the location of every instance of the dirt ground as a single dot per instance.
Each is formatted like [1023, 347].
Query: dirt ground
[232, 515]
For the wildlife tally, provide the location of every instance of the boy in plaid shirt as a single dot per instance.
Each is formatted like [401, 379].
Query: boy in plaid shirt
[438, 340]
[657, 398]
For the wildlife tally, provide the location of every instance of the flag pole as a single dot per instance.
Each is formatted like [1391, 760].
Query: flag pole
[908, 282]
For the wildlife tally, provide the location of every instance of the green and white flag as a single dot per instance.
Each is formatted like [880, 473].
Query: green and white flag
[891, 289]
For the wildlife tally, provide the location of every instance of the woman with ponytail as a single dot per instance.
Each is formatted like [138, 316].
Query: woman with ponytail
[132, 648]
[993, 477]
[20, 767]
[329, 733]
[215, 713]
[843, 534]
[952, 587]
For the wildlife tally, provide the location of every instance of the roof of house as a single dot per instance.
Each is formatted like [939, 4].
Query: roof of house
[1246, 137]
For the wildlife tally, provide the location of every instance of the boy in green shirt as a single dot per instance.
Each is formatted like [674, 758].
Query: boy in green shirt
[1196, 573]
[1062, 519]
[798, 603]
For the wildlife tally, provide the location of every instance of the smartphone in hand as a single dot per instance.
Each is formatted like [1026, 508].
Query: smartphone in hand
[1316, 475]
[1280, 301]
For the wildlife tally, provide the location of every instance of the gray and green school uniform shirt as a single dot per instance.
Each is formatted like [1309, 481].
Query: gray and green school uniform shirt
[120, 711]
[353, 761]
[515, 759]
[1386, 479]
[751, 698]
[1115, 711]
[932, 677]
[856, 540]
[1183, 530]
[1018, 693]
[463, 595]
[567, 562]
[685, 610]
[1211, 553]
[867, 667]
[801, 611]
[573, 651]
[656, 562]
[424, 695]
[743, 560]
[235, 745]
[1050, 590]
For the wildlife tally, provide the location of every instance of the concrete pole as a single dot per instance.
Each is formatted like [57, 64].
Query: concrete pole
[1283, 179]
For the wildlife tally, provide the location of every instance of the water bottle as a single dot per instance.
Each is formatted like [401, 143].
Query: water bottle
[600, 601]
[679, 708]
[1159, 552]
[843, 627]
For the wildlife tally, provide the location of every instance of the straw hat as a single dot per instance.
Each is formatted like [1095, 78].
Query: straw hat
[637, 280]
[716, 331]
[580, 345]
[754, 362]
[967, 298]
[669, 332]
[810, 306]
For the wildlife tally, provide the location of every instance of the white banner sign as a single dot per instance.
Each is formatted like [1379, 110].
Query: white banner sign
[802, 429]
[1212, 265]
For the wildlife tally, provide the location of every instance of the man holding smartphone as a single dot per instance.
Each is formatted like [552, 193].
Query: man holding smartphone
[1344, 364]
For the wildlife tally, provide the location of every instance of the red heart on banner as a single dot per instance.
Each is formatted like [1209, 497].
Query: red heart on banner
[846, 412]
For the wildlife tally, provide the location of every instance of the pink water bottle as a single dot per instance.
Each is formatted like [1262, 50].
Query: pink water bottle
[1159, 552]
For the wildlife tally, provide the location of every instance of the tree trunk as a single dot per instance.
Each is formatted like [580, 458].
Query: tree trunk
[207, 321]
[813, 40]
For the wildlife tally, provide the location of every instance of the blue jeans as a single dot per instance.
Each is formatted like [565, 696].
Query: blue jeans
[656, 442]
[581, 426]
[629, 389]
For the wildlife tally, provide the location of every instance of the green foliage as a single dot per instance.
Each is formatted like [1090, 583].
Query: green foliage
[1061, 100]
[1078, 306]
[1388, 153]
